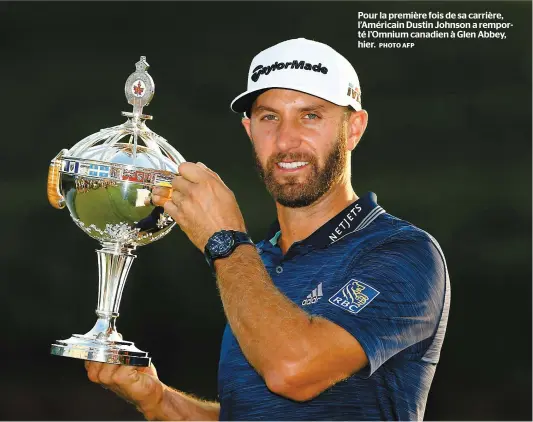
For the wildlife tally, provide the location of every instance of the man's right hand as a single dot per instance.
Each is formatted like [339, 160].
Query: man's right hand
[138, 385]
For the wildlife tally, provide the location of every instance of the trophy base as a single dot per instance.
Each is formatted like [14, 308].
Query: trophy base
[106, 351]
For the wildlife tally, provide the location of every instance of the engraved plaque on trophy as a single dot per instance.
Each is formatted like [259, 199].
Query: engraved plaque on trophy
[105, 181]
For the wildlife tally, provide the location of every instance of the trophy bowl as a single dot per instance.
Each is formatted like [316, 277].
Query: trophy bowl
[105, 181]
[109, 200]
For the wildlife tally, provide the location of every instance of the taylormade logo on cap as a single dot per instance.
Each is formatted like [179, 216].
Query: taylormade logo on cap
[302, 65]
[295, 64]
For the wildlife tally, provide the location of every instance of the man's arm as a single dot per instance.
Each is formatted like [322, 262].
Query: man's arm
[297, 355]
[142, 388]
[178, 406]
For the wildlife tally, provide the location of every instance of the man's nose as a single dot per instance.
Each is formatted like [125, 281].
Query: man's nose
[288, 136]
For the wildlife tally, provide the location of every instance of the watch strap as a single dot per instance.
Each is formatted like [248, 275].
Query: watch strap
[239, 238]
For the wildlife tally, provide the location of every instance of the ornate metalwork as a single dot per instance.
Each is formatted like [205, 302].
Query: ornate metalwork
[104, 181]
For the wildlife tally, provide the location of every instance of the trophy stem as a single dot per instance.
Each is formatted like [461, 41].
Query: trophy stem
[114, 263]
[103, 343]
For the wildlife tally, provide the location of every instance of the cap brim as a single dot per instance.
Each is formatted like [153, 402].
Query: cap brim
[244, 101]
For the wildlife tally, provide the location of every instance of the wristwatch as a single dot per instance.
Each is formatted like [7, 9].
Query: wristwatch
[222, 244]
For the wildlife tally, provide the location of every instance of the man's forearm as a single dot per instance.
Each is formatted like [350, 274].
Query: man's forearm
[269, 328]
[178, 406]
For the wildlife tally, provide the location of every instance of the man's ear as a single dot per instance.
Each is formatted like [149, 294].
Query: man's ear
[356, 127]
[246, 122]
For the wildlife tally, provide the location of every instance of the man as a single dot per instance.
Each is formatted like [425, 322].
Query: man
[340, 313]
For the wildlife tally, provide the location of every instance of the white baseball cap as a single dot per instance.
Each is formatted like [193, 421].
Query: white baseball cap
[303, 65]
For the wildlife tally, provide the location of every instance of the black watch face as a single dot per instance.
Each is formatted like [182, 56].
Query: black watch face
[220, 243]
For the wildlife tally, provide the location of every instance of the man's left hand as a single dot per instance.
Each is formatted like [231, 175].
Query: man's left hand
[201, 204]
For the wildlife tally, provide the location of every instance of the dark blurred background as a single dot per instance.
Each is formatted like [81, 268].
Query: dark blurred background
[448, 147]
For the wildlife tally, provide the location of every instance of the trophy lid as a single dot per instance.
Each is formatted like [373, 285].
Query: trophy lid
[132, 143]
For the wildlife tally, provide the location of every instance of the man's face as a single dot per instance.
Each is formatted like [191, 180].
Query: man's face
[300, 145]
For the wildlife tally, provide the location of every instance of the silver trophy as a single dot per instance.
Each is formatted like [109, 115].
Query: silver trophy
[105, 180]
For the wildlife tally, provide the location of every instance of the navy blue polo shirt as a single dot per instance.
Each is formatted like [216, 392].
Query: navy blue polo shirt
[381, 279]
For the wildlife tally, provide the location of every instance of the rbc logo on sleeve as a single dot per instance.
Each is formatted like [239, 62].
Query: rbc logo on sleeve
[354, 296]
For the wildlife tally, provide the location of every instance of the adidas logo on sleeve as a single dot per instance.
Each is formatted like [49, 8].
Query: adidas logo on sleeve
[314, 296]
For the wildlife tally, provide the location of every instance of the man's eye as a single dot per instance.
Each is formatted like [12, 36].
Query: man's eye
[311, 116]
[268, 117]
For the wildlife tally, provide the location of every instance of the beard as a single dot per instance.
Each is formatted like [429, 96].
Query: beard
[296, 194]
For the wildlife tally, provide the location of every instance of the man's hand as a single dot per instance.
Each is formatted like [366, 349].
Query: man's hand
[201, 203]
[155, 400]
[137, 385]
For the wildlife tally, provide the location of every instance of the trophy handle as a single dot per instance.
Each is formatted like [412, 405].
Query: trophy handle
[54, 195]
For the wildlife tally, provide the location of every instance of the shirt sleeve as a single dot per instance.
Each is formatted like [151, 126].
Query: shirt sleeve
[389, 298]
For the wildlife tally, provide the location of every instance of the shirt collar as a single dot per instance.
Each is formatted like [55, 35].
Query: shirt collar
[354, 217]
